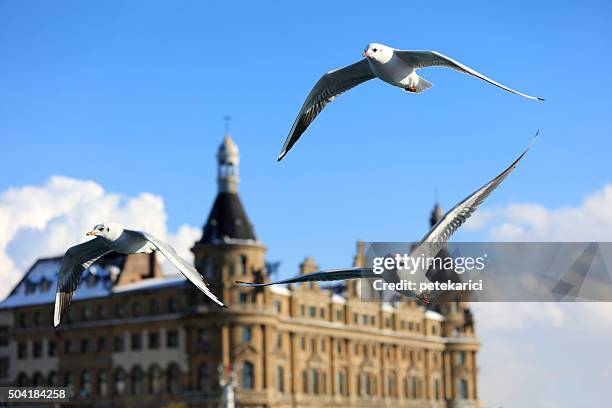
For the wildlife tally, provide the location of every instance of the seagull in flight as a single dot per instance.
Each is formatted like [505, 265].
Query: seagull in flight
[428, 248]
[115, 237]
[395, 67]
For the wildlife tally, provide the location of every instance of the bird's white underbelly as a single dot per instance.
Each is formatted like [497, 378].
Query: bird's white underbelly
[395, 72]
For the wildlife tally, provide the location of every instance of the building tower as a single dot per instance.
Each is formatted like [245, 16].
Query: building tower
[229, 249]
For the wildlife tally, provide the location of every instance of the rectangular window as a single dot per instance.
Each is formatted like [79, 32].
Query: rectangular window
[4, 368]
[279, 342]
[52, 348]
[119, 344]
[37, 348]
[22, 350]
[153, 307]
[172, 305]
[136, 341]
[85, 313]
[119, 310]
[278, 306]
[247, 334]
[102, 312]
[312, 311]
[85, 346]
[171, 339]
[4, 338]
[101, 344]
[304, 382]
[243, 298]
[203, 339]
[153, 340]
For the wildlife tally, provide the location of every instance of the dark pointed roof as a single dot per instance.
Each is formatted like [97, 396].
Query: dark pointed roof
[227, 220]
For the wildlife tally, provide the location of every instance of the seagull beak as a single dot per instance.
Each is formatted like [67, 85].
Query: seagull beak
[365, 54]
[90, 233]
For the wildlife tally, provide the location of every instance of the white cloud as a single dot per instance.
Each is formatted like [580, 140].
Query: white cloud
[590, 221]
[44, 220]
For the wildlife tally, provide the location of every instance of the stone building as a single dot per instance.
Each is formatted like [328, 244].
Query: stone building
[136, 338]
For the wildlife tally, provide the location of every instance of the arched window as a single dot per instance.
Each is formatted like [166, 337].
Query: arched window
[102, 383]
[37, 380]
[119, 381]
[247, 376]
[173, 374]
[136, 380]
[53, 380]
[280, 379]
[463, 389]
[203, 377]
[85, 384]
[22, 380]
[154, 379]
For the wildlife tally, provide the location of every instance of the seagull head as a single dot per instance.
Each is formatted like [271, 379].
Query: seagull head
[109, 230]
[378, 52]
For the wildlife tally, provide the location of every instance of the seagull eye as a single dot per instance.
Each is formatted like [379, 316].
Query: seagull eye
[101, 229]
[374, 49]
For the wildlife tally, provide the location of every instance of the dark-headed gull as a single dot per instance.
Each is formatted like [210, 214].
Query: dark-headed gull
[395, 67]
[428, 248]
[114, 237]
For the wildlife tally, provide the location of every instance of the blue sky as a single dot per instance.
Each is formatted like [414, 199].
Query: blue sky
[95, 91]
[132, 95]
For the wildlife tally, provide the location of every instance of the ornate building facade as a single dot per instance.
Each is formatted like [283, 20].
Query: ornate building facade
[134, 337]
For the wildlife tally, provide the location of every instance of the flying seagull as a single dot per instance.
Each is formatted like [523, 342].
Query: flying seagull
[428, 247]
[114, 237]
[395, 67]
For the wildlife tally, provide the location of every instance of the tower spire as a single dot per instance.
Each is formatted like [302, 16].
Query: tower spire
[228, 159]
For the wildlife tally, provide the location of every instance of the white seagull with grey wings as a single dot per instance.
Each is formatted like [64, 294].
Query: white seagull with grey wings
[428, 248]
[395, 67]
[115, 237]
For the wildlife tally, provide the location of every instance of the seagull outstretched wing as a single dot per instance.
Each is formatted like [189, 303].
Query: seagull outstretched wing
[440, 233]
[75, 261]
[325, 90]
[179, 263]
[324, 275]
[424, 59]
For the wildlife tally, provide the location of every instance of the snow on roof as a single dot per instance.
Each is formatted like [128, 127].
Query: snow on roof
[280, 290]
[39, 284]
[431, 315]
[151, 283]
